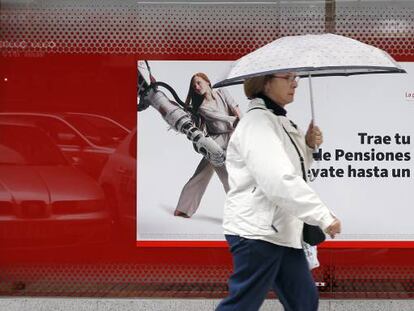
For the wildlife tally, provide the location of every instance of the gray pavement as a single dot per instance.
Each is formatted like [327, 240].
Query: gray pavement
[96, 304]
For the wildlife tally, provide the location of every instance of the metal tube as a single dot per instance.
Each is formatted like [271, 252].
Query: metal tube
[311, 99]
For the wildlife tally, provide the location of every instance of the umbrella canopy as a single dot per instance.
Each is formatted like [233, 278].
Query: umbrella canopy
[312, 55]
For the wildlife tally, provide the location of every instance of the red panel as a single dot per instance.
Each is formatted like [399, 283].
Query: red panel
[325, 245]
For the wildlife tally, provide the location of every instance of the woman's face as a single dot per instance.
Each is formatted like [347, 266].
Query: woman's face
[281, 88]
[200, 85]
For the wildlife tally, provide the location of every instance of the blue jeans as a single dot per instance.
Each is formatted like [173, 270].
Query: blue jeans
[260, 266]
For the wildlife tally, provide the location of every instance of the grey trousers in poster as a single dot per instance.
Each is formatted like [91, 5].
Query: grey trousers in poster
[194, 189]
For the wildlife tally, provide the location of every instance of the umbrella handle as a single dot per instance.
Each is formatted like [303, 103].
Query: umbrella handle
[317, 155]
[311, 99]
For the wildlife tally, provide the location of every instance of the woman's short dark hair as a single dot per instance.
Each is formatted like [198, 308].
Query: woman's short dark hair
[254, 86]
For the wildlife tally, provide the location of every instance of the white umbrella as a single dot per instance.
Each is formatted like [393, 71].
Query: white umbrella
[312, 56]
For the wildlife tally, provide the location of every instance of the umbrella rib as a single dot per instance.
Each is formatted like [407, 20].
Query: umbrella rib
[304, 72]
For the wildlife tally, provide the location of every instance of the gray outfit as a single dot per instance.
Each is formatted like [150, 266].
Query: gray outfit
[219, 118]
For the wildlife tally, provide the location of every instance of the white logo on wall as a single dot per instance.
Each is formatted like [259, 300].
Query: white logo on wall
[409, 95]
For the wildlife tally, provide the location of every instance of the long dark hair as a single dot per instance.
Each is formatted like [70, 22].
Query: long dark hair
[194, 100]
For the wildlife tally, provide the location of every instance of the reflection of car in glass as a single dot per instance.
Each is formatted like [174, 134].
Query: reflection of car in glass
[99, 129]
[118, 179]
[85, 139]
[43, 199]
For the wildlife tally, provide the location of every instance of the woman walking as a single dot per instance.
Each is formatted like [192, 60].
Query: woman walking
[269, 201]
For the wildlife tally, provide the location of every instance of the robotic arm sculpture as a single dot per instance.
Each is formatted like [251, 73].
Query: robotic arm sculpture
[175, 115]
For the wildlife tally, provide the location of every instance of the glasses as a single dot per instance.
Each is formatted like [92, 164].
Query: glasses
[289, 78]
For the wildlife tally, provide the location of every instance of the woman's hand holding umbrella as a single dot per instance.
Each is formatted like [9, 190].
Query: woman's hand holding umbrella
[313, 136]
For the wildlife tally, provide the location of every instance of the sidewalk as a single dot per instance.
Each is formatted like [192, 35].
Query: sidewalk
[94, 304]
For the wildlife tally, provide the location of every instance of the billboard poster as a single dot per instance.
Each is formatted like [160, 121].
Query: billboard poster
[365, 175]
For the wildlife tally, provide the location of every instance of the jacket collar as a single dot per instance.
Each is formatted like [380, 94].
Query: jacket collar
[273, 106]
[265, 103]
[261, 103]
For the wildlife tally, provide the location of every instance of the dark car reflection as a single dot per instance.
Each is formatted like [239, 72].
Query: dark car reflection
[86, 140]
[100, 130]
[43, 199]
[119, 182]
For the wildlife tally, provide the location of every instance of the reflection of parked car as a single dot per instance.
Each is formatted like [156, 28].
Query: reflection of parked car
[85, 139]
[101, 130]
[43, 199]
[118, 179]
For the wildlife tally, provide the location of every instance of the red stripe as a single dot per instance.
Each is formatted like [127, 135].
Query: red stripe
[326, 245]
